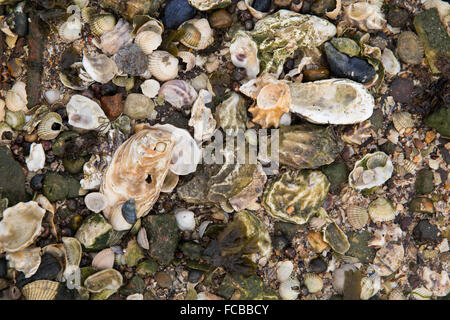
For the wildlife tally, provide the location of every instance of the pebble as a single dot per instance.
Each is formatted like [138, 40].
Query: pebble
[424, 181]
[425, 231]
[405, 222]
[113, 105]
[317, 265]
[163, 279]
[220, 19]
[397, 17]
[3, 268]
[36, 182]
[131, 60]
[402, 89]
[279, 242]
[194, 276]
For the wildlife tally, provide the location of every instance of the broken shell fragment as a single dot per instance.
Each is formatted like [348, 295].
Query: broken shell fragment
[36, 160]
[372, 170]
[333, 101]
[388, 259]
[162, 65]
[231, 114]
[85, 113]
[20, 226]
[178, 93]
[366, 16]
[95, 201]
[402, 121]
[296, 195]
[202, 118]
[100, 68]
[16, 97]
[41, 290]
[108, 279]
[244, 54]
[26, 261]
[104, 259]
[381, 210]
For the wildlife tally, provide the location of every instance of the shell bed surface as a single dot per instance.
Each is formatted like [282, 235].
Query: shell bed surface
[104, 199]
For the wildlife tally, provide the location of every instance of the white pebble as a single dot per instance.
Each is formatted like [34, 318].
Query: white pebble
[52, 96]
[185, 220]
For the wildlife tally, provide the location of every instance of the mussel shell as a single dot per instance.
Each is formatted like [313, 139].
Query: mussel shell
[344, 66]
[129, 211]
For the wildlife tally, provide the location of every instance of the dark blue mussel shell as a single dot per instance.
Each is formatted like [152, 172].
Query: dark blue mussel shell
[129, 211]
[343, 66]
[176, 12]
[262, 5]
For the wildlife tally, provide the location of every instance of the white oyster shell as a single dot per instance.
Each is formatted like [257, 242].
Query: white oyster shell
[244, 54]
[332, 101]
[365, 178]
[27, 260]
[202, 118]
[100, 68]
[36, 160]
[366, 16]
[85, 113]
[390, 63]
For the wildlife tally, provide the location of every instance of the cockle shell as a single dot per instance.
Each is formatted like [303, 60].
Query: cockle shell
[202, 118]
[198, 34]
[36, 160]
[313, 282]
[95, 201]
[148, 41]
[244, 54]
[27, 260]
[286, 289]
[104, 259]
[372, 170]
[40, 290]
[357, 216]
[85, 113]
[381, 210]
[20, 226]
[137, 171]
[71, 29]
[284, 270]
[150, 88]
[178, 93]
[333, 101]
[111, 41]
[100, 68]
[366, 16]
[186, 153]
[102, 23]
[16, 97]
[421, 293]
[50, 126]
[108, 279]
[162, 65]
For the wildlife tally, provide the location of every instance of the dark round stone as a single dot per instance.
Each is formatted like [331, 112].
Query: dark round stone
[49, 157]
[425, 231]
[317, 265]
[397, 17]
[176, 12]
[194, 276]
[36, 182]
[249, 24]
[108, 89]
[279, 242]
[132, 60]
[3, 268]
[239, 74]
[262, 5]
[66, 232]
[402, 89]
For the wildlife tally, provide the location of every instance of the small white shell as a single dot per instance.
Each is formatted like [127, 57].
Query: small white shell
[52, 96]
[390, 62]
[148, 41]
[36, 160]
[16, 97]
[162, 65]
[313, 282]
[95, 201]
[100, 68]
[136, 296]
[178, 93]
[84, 113]
[150, 88]
[202, 118]
[188, 58]
[185, 220]
[142, 239]
[104, 259]
[284, 270]
[71, 29]
[286, 289]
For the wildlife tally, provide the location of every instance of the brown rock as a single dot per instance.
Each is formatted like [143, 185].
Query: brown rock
[220, 19]
[112, 105]
[163, 279]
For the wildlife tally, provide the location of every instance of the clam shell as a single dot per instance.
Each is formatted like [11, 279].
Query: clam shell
[178, 93]
[409, 48]
[108, 279]
[87, 14]
[198, 35]
[142, 239]
[284, 270]
[101, 23]
[381, 210]
[313, 282]
[41, 290]
[402, 121]
[162, 65]
[150, 88]
[104, 259]
[148, 41]
[50, 126]
[95, 201]
[16, 97]
[357, 216]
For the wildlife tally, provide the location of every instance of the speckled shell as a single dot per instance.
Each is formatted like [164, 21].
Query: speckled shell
[402, 121]
[409, 48]
[146, 154]
[20, 226]
[357, 216]
[244, 54]
[178, 93]
[365, 16]
[198, 35]
[388, 259]
[313, 282]
[381, 210]
[333, 101]
[295, 195]
[108, 279]
[50, 126]
[162, 65]
[41, 290]
[363, 177]
[101, 23]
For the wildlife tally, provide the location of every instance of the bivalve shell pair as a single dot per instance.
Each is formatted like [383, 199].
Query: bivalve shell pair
[162, 65]
[198, 34]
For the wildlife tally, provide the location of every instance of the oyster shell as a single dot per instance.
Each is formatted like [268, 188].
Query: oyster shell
[108, 279]
[202, 118]
[205, 5]
[143, 157]
[333, 101]
[27, 260]
[40, 290]
[100, 68]
[85, 113]
[437, 283]
[366, 16]
[20, 226]
[178, 93]
[372, 170]
[296, 195]
[244, 54]
[336, 238]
